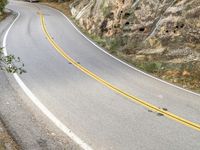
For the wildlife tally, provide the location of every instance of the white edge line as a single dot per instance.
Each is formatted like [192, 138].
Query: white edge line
[100, 48]
[37, 102]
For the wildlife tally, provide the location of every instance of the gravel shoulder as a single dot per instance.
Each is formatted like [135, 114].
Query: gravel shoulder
[6, 141]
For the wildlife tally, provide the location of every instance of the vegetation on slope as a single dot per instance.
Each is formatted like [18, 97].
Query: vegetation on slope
[2, 5]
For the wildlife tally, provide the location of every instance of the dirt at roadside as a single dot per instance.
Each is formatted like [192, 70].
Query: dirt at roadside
[6, 141]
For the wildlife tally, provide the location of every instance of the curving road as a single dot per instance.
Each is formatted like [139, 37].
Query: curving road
[106, 103]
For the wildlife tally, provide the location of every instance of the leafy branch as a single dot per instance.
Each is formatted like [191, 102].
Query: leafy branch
[11, 64]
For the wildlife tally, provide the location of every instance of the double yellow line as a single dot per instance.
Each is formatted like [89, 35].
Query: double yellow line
[112, 87]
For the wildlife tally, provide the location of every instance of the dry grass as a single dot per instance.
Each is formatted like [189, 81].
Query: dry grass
[63, 7]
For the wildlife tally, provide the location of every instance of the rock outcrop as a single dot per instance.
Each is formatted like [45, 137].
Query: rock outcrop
[172, 25]
[164, 31]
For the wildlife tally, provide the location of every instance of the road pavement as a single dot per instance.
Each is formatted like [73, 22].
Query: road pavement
[99, 115]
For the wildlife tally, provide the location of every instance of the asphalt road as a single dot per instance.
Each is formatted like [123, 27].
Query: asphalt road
[97, 114]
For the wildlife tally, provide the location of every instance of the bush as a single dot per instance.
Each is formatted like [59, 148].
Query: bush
[2, 5]
[151, 67]
[10, 63]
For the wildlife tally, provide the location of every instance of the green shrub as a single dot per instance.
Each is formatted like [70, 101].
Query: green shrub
[151, 67]
[2, 5]
[10, 63]
[113, 43]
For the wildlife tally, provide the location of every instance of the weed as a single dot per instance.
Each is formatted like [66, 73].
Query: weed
[151, 67]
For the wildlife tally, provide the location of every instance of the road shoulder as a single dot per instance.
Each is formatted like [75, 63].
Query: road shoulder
[6, 141]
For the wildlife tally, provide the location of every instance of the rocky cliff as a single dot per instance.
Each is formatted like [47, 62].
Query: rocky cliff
[160, 36]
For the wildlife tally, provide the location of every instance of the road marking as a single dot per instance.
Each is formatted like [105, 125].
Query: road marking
[110, 86]
[104, 51]
[38, 103]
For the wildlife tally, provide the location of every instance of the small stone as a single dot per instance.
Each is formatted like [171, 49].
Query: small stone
[1, 129]
[53, 134]
[185, 73]
[175, 80]
[140, 57]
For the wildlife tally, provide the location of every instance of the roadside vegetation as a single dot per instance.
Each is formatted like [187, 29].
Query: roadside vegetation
[10, 63]
[2, 6]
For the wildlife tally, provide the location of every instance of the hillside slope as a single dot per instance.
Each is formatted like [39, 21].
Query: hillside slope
[159, 36]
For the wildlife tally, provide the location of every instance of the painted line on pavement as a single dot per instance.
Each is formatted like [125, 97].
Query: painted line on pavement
[38, 103]
[110, 86]
[104, 51]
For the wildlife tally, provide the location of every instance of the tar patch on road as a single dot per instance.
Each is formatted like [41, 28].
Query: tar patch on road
[76, 62]
[157, 113]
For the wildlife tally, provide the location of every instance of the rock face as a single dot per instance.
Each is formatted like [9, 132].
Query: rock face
[167, 31]
[173, 25]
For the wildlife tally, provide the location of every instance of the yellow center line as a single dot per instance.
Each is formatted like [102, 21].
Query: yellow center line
[112, 87]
